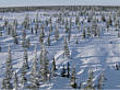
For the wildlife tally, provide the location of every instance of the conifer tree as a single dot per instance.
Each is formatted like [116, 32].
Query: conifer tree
[0, 31]
[69, 35]
[9, 29]
[54, 64]
[50, 20]
[36, 28]
[6, 84]
[56, 33]
[28, 42]
[15, 40]
[0, 47]
[100, 82]
[103, 18]
[34, 73]
[26, 22]
[66, 48]
[41, 58]
[44, 64]
[68, 70]
[26, 59]
[23, 75]
[32, 30]
[24, 38]
[73, 79]
[16, 86]
[9, 63]
[53, 67]
[84, 34]
[24, 69]
[77, 20]
[15, 23]
[37, 17]
[51, 28]
[90, 81]
[48, 39]
[41, 37]
[67, 27]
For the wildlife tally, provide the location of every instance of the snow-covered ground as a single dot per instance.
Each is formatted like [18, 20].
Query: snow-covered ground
[97, 53]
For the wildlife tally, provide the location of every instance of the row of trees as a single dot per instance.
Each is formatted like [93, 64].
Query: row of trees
[40, 73]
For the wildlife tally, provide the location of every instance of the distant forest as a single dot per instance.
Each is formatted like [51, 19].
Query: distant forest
[33, 8]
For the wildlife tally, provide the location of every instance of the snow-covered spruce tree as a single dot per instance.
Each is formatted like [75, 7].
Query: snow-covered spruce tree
[63, 21]
[37, 17]
[68, 69]
[56, 33]
[34, 79]
[67, 27]
[100, 82]
[16, 83]
[109, 21]
[94, 27]
[66, 48]
[90, 81]
[41, 58]
[51, 28]
[73, 78]
[23, 75]
[32, 30]
[54, 64]
[25, 58]
[13, 31]
[6, 84]
[116, 25]
[15, 23]
[36, 28]
[28, 42]
[48, 39]
[0, 31]
[53, 67]
[46, 22]
[26, 22]
[24, 38]
[24, 70]
[6, 23]
[103, 18]
[41, 37]
[98, 31]
[70, 23]
[50, 20]
[69, 35]
[77, 20]
[0, 47]
[15, 40]
[9, 27]
[44, 64]
[89, 32]
[89, 17]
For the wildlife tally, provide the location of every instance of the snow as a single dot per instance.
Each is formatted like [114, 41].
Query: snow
[97, 53]
[9, 3]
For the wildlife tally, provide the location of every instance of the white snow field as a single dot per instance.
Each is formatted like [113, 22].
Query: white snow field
[97, 53]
